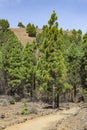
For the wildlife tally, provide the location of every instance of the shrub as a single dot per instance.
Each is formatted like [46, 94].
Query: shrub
[25, 110]
[31, 30]
[12, 101]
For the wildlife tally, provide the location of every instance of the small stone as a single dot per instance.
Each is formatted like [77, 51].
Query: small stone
[75, 114]
[17, 113]
[25, 119]
[3, 116]
[17, 122]
[3, 127]
[85, 128]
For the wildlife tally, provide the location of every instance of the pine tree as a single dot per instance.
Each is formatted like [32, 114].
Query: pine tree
[74, 57]
[4, 24]
[20, 25]
[84, 62]
[2, 80]
[12, 64]
[51, 65]
[31, 30]
[28, 68]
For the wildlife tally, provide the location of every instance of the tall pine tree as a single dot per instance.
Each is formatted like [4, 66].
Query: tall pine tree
[51, 65]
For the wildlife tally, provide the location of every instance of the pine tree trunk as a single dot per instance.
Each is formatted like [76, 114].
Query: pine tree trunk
[53, 100]
[75, 93]
[34, 82]
[31, 94]
[57, 100]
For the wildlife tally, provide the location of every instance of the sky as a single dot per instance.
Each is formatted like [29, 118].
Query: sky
[72, 14]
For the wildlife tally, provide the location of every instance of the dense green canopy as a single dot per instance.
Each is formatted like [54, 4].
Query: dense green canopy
[54, 64]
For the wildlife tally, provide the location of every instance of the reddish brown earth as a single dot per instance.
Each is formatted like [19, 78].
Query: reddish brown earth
[22, 35]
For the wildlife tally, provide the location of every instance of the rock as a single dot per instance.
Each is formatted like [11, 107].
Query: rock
[75, 114]
[25, 119]
[85, 127]
[17, 98]
[17, 113]
[67, 107]
[17, 122]
[80, 98]
[2, 127]
[4, 102]
[34, 110]
[2, 116]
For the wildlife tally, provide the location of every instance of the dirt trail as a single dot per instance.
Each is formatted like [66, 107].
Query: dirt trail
[41, 123]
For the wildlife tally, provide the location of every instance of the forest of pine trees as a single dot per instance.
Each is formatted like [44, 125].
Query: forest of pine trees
[54, 64]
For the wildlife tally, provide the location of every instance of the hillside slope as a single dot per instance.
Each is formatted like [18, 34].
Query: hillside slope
[22, 35]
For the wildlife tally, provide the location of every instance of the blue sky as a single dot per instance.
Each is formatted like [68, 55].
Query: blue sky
[71, 13]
